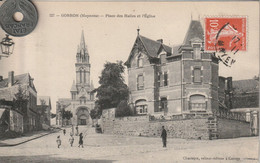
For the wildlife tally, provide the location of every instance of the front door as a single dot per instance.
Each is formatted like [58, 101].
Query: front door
[83, 122]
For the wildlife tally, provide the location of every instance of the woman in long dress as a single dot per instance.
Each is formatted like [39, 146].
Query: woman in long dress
[80, 140]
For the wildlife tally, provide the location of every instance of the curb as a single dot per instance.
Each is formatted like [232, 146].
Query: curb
[10, 145]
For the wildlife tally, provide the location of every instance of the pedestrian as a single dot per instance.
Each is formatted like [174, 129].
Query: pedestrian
[71, 140]
[164, 136]
[64, 131]
[80, 140]
[77, 130]
[72, 129]
[58, 141]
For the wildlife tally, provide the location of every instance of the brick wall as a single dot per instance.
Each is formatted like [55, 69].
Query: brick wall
[141, 126]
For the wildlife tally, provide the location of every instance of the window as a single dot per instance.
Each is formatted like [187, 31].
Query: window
[163, 79]
[196, 51]
[197, 75]
[140, 61]
[82, 100]
[84, 76]
[140, 82]
[141, 107]
[80, 75]
[197, 103]
[163, 104]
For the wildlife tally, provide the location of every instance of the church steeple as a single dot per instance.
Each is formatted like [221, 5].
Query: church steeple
[82, 52]
[82, 64]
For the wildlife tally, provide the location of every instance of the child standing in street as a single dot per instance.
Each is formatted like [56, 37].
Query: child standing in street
[71, 140]
[58, 141]
[64, 131]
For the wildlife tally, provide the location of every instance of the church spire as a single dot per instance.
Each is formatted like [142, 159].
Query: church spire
[82, 52]
[82, 42]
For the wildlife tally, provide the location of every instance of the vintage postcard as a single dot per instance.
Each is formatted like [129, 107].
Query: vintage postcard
[129, 81]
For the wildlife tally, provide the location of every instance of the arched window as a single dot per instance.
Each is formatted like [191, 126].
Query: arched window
[198, 103]
[82, 100]
[140, 61]
[141, 106]
[84, 76]
[80, 76]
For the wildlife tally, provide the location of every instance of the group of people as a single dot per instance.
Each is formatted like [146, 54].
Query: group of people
[71, 139]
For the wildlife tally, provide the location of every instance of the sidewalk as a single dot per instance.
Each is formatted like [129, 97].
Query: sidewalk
[27, 137]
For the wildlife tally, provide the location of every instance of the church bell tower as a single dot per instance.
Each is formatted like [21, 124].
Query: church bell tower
[82, 65]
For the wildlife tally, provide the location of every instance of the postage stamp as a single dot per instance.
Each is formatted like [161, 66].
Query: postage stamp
[225, 36]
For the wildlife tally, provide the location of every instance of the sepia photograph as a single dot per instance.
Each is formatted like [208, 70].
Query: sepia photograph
[105, 82]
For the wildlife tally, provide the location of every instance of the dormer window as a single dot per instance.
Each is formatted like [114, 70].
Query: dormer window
[140, 61]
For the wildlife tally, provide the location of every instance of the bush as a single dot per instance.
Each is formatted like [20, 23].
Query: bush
[123, 109]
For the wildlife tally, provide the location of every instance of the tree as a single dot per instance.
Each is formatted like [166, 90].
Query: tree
[66, 114]
[20, 101]
[112, 89]
[123, 109]
[95, 113]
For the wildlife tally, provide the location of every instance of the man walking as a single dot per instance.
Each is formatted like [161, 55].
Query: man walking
[164, 136]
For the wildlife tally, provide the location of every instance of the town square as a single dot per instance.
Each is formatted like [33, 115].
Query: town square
[122, 83]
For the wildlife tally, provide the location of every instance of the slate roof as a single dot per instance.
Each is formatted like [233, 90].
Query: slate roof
[152, 47]
[195, 31]
[18, 79]
[175, 50]
[64, 101]
[246, 86]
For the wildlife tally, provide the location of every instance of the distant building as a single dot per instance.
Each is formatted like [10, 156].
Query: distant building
[175, 80]
[82, 98]
[9, 87]
[44, 109]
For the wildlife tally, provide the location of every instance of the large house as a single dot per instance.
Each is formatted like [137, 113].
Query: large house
[82, 98]
[10, 86]
[175, 80]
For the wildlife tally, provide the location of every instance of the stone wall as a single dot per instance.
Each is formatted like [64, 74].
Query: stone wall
[232, 128]
[16, 121]
[141, 126]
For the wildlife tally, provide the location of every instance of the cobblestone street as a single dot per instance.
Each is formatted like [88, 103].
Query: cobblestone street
[111, 148]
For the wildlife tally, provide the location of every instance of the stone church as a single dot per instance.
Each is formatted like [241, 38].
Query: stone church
[82, 98]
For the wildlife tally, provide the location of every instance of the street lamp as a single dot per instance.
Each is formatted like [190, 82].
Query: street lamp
[7, 46]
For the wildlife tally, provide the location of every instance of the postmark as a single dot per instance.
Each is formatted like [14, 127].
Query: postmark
[226, 37]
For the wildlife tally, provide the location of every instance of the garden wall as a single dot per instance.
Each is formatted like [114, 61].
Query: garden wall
[232, 128]
[142, 126]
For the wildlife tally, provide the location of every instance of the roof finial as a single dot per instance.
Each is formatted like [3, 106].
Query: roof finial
[138, 29]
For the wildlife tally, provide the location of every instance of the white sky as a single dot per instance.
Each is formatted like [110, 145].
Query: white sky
[49, 52]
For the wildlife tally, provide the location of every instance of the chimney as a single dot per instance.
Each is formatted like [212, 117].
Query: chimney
[1, 78]
[10, 78]
[160, 40]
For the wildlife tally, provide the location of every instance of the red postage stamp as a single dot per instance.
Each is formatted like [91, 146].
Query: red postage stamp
[227, 34]
[226, 37]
